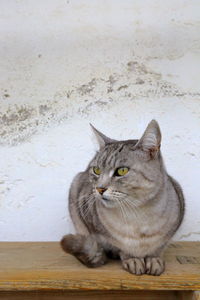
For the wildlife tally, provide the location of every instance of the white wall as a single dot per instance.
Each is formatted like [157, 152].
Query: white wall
[117, 64]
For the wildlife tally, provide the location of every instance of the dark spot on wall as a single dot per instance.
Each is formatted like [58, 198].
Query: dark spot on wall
[87, 88]
[101, 102]
[43, 109]
[3, 133]
[122, 87]
[24, 113]
[39, 55]
[22, 127]
[69, 93]
[20, 114]
[139, 81]
[6, 95]
[111, 81]
[141, 69]
[134, 66]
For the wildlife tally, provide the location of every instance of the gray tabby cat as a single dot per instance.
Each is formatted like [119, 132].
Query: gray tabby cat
[125, 205]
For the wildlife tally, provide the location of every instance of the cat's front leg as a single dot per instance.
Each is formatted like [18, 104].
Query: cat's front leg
[84, 248]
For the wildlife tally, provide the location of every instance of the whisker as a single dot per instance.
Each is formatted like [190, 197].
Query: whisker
[87, 202]
[124, 216]
[132, 211]
[135, 209]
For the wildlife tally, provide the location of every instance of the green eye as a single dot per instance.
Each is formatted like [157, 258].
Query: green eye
[96, 170]
[121, 171]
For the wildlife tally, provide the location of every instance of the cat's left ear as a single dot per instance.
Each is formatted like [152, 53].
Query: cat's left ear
[151, 139]
[101, 138]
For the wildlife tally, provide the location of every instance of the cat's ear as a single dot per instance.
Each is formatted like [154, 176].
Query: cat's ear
[151, 139]
[101, 138]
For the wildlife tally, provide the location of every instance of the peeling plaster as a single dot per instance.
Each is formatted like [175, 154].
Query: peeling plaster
[20, 122]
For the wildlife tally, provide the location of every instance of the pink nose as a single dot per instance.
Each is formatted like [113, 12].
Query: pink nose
[101, 190]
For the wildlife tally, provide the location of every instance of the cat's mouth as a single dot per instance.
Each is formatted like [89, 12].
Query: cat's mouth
[105, 198]
[107, 202]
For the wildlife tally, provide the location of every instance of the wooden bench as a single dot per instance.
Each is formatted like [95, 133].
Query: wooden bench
[41, 270]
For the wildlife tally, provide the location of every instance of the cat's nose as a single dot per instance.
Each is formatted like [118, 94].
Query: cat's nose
[101, 190]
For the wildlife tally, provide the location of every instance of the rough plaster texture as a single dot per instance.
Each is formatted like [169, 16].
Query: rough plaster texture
[116, 64]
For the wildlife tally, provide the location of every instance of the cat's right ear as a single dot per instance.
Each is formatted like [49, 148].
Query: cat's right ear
[151, 139]
[101, 138]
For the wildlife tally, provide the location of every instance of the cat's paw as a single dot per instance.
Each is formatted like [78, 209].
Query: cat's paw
[134, 265]
[94, 253]
[97, 260]
[154, 265]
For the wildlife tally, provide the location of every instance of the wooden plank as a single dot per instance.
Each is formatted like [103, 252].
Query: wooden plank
[90, 295]
[44, 266]
[100, 295]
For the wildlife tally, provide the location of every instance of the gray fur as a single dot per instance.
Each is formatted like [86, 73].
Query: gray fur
[136, 215]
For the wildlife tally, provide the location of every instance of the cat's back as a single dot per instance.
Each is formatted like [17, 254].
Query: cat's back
[180, 197]
[79, 183]
[79, 186]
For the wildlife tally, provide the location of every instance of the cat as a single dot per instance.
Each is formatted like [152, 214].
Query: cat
[125, 205]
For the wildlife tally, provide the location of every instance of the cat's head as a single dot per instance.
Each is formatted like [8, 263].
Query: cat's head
[130, 170]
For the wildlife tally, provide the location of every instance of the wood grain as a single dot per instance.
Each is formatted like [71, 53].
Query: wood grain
[43, 266]
[90, 295]
[100, 295]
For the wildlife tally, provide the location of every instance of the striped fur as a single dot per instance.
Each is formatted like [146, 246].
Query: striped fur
[136, 215]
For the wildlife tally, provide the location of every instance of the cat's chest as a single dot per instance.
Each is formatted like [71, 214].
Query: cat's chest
[131, 227]
[133, 236]
[120, 224]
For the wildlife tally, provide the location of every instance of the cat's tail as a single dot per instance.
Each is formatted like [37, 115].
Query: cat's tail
[84, 248]
[72, 243]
